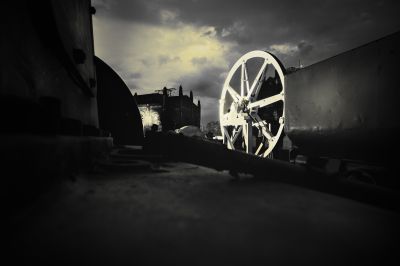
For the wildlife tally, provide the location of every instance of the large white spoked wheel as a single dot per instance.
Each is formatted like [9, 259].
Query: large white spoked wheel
[252, 104]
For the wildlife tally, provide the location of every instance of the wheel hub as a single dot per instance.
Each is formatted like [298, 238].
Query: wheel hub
[240, 106]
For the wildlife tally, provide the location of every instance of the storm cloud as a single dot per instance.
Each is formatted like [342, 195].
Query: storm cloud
[156, 43]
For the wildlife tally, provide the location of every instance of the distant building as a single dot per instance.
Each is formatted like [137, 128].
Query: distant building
[168, 112]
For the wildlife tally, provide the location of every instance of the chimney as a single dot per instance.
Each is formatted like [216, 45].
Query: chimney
[180, 91]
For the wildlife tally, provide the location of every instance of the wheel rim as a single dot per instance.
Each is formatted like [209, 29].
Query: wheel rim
[246, 120]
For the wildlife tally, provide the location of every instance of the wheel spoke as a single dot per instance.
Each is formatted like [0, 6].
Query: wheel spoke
[259, 148]
[233, 93]
[228, 139]
[259, 84]
[244, 80]
[266, 132]
[248, 136]
[266, 101]
[257, 79]
[236, 135]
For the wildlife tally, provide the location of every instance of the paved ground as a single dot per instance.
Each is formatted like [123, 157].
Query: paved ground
[185, 214]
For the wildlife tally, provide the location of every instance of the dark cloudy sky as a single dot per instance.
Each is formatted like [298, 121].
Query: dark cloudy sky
[157, 43]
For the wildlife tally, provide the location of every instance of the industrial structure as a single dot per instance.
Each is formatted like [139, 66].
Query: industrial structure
[168, 112]
[81, 184]
[343, 107]
[61, 107]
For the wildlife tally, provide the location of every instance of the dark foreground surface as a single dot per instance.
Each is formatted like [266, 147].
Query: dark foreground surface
[178, 213]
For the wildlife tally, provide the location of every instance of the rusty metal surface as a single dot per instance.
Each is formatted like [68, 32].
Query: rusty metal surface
[348, 106]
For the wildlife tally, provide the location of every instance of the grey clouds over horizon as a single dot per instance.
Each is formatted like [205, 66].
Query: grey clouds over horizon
[158, 43]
